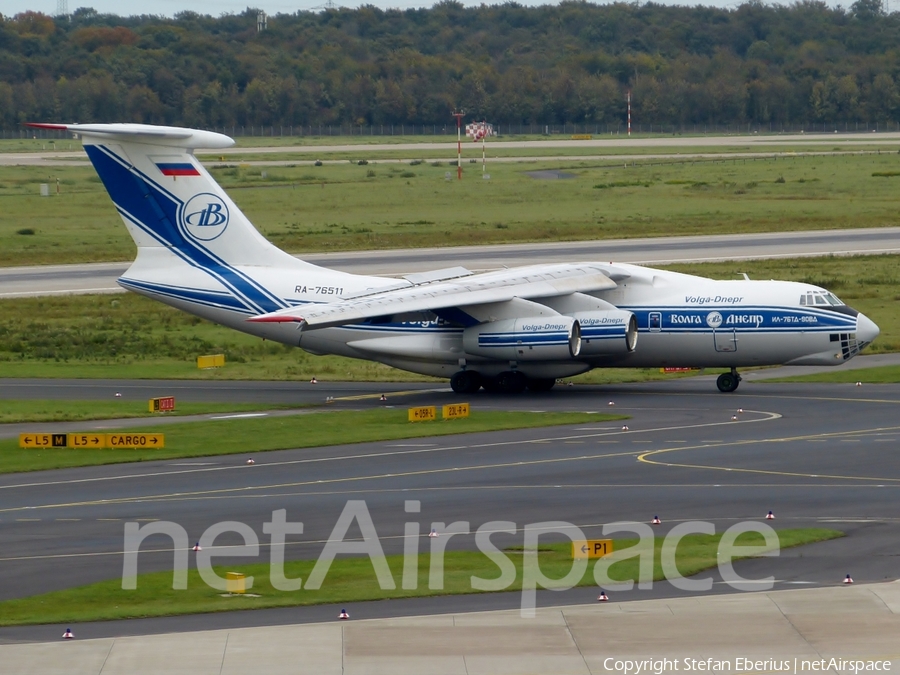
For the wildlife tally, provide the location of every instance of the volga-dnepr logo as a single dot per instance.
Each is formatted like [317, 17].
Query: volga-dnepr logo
[714, 319]
[205, 216]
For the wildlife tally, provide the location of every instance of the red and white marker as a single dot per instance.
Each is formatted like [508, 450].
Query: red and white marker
[197, 547]
[848, 580]
[655, 521]
[250, 461]
[314, 380]
[433, 534]
[611, 403]
[383, 398]
[624, 427]
[343, 615]
[118, 394]
[603, 597]
[859, 384]
[68, 635]
[770, 516]
[734, 418]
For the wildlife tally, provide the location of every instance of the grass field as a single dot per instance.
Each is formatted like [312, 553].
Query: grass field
[24, 410]
[882, 375]
[128, 336]
[599, 155]
[315, 429]
[393, 205]
[349, 580]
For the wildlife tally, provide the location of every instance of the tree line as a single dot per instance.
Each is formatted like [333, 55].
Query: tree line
[574, 62]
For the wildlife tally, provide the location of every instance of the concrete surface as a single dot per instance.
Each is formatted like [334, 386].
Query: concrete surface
[852, 622]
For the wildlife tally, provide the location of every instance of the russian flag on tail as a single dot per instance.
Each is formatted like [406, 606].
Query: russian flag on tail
[177, 169]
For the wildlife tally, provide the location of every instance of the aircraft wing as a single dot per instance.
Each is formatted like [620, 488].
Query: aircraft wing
[541, 281]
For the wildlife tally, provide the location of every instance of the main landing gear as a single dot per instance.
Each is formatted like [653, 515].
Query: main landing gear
[508, 382]
[728, 382]
[465, 382]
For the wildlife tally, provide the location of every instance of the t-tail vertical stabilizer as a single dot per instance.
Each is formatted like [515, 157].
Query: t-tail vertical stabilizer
[195, 246]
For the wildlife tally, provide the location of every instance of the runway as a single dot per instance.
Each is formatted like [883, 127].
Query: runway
[817, 455]
[101, 277]
[844, 141]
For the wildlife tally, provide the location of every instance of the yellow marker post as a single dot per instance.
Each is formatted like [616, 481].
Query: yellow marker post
[211, 361]
[235, 582]
[422, 414]
[455, 410]
[152, 441]
[85, 440]
[591, 548]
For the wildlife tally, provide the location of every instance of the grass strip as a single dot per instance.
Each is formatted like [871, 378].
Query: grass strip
[397, 205]
[231, 436]
[44, 410]
[881, 375]
[349, 580]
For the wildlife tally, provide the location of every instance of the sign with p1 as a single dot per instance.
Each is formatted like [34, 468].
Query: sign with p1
[591, 548]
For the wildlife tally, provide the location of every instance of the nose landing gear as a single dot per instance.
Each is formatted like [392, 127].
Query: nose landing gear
[728, 382]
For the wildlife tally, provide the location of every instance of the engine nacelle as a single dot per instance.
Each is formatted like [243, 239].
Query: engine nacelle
[540, 338]
[611, 331]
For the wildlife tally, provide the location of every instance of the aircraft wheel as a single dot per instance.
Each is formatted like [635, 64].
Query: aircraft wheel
[491, 384]
[728, 382]
[512, 382]
[541, 384]
[465, 382]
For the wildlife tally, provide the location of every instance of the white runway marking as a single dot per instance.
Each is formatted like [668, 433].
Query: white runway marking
[238, 416]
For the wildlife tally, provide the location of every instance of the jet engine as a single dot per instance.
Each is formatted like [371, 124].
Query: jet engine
[611, 331]
[541, 338]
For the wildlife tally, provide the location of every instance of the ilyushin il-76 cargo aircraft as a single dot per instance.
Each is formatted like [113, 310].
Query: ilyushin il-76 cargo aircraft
[504, 330]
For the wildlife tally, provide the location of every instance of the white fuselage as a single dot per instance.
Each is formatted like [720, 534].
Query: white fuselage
[682, 320]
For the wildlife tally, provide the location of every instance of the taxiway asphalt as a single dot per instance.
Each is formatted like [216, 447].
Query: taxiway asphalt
[101, 277]
[817, 455]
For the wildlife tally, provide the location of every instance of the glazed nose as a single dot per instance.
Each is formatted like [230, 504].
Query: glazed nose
[866, 330]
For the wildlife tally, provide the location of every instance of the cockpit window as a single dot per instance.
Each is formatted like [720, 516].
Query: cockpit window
[820, 299]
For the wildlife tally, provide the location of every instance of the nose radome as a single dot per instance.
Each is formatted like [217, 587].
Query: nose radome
[866, 330]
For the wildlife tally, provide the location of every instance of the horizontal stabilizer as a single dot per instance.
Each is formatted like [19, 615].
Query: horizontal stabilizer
[173, 137]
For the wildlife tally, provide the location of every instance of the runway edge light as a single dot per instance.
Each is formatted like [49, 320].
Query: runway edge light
[603, 597]
[655, 521]
[68, 635]
[848, 580]
[343, 615]
[770, 516]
